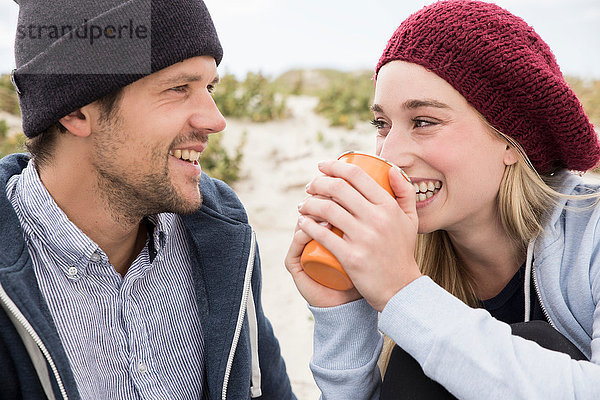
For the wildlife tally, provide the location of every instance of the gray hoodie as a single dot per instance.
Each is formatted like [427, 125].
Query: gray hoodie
[466, 350]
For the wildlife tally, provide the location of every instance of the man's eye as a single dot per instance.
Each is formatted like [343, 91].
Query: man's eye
[211, 89]
[179, 89]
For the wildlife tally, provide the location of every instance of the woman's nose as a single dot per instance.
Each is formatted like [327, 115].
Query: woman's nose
[397, 149]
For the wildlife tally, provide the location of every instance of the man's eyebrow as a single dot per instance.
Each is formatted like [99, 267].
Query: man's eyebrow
[185, 78]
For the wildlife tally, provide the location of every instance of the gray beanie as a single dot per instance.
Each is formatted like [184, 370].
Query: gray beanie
[70, 53]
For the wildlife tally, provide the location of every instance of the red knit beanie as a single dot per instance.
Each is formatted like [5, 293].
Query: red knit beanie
[506, 72]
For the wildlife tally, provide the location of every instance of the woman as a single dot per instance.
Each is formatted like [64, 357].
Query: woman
[470, 103]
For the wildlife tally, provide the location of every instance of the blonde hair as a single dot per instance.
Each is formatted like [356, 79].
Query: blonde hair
[524, 199]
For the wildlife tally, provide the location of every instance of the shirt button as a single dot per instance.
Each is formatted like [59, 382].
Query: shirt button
[95, 257]
[142, 368]
[73, 271]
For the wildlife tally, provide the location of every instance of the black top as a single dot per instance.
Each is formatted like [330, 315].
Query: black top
[509, 305]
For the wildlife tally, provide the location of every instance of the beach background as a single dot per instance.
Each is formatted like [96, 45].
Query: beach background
[278, 129]
[295, 89]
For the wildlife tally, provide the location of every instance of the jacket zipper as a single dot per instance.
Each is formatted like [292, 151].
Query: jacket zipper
[537, 293]
[242, 312]
[14, 310]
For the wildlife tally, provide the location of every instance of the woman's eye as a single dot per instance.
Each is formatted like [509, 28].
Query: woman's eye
[421, 123]
[382, 128]
[378, 124]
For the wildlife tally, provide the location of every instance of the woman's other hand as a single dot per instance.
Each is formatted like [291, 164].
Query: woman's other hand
[313, 292]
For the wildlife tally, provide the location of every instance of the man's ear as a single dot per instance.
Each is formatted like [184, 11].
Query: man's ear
[510, 156]
[78, 122]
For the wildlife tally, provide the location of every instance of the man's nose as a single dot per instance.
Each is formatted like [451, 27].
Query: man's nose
[207, 117]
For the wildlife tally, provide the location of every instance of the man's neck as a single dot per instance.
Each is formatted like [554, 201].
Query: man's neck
[76, 194]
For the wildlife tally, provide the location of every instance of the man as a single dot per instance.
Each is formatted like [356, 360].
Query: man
[125, 273]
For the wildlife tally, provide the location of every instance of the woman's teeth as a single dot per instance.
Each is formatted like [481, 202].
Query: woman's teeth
[191, 156]
[426, 190]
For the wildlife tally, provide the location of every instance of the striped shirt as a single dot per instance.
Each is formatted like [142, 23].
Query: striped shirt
[132, 337]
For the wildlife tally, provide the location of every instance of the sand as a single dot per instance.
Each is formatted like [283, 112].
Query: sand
[280, 158]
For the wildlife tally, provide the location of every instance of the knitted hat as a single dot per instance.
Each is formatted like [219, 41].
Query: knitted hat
[506, 72]
[69, 54]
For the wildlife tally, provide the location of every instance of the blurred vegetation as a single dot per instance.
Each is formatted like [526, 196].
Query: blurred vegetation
[10, 143]
[310, 82]
[218, 163]
[588, 92]
[8, 96]
[344, 99]
[255, 98]
[347, 99]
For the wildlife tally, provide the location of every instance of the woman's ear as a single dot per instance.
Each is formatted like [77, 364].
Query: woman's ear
[510, 156]
[78, 122]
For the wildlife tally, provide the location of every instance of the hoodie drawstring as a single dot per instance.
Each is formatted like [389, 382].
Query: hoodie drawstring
[255, 387]
[527, 288]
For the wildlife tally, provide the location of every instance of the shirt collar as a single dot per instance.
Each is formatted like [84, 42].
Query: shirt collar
[160, 227]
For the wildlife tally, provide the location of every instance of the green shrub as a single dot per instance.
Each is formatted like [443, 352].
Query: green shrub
[347, 99]
[11, 144]
[309, 82]
[217, 162]
[9, 101]
[254, 98]
[3, 129]
[588, 92]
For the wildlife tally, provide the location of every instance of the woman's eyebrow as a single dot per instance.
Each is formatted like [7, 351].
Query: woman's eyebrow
[376, 108]
[418, 103]
[414, 104]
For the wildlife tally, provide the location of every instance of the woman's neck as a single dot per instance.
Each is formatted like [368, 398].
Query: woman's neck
[490, 256]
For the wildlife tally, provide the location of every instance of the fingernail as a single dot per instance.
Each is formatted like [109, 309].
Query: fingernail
[301, 219]
[300, 205]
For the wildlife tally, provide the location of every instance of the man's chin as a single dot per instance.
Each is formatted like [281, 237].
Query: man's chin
[189, 205]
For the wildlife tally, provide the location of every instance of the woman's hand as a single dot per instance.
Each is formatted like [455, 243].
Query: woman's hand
[313, 292]
[377, 248]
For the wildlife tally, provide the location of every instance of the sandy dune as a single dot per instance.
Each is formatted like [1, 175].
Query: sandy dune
[280, 158]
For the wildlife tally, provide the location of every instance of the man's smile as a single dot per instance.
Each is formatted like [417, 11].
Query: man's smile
[188, 155]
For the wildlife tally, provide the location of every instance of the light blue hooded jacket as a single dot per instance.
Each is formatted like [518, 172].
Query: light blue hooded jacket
[469, 352]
